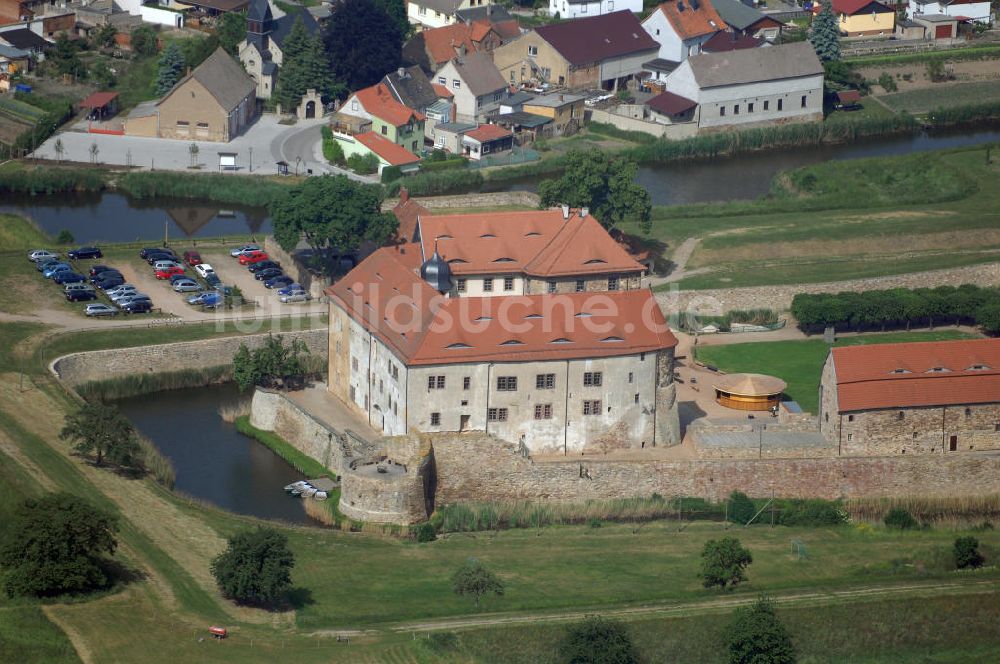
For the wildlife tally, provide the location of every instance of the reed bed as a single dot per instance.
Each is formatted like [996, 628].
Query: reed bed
[247, 190]
[153, 461]
[230, 412]
[136, 384]
[296, 459]
[955, 511]
[48, 180]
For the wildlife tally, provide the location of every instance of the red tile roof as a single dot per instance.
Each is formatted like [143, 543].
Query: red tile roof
[913, 375]
[852, 7]
[671, 104]
[386, 149]
[507, 30]
[691, 22]
[98, 99]
[406, 211]
[442, 43]
[848, 96]
[537, 242]
[442, 91]
[488, 132]
[730, 41]
[378, 101]
[598, 38]
[386, 295]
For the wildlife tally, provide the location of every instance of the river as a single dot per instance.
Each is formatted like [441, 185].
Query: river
[112, 217]
[214, 462]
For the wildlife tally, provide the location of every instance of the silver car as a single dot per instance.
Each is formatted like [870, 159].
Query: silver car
[295, 296]
[235, 253]
[117, 299]
[129, 299]
[166, 265]
[186, 286]
[41, 254]
[120, 290]
[100, 310]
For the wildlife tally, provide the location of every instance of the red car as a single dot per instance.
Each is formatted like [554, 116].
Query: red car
[169, 272]
[192, 258]
[253, 257]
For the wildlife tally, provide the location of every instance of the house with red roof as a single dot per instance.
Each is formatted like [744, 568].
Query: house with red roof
[680, 27]
[934, 397]
[375, 109]
[387, 152]
[862, 17]
[527, 326]
[487, 140]
[431, 49]
[596, 52]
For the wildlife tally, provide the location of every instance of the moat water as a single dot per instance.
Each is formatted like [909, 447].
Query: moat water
[212, 460]
[113, 217]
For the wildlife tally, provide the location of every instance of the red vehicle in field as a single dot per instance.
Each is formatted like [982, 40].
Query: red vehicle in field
[169, 272]
[253, 257]
[192, 258]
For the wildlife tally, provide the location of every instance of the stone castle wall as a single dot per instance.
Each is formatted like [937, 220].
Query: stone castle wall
[399, 495]
[78, 368]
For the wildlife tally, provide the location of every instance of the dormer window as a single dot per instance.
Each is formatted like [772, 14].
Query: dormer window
[458, 346]
[978, 367]
[612, 339]
[512, 342]
[900, 371]
[938, 370]
[561, 340]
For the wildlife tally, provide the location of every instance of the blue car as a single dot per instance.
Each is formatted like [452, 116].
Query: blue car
[54, 269]
[69, 278]
[209, 299]
[278, 282]
[46, 263]
[84, 252]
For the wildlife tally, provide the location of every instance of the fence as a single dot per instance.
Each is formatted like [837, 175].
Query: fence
[516, 156]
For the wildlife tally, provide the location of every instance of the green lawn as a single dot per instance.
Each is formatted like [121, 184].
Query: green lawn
[943, 96]
[800, 363]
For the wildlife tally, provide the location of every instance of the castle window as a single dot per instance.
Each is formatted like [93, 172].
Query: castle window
[636, 397]
[631, 377]
[506, 383]
[914, 435]
[435, 419]
[968, 412]
[900, 415]
[496, 414]
[593, 378]
[850, 437]
[435, 382]
[466, 382]
[543, 411]
[850, 418]
[592, 407]
[488, 285]
[508, 283]
[461, 285]
[354, 363]
[579, 285]
[545, 381]
[612, 283]
[552, 287]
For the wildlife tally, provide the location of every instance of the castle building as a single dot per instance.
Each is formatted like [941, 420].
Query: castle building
[912, 398]
[261, 51]
[530, 326]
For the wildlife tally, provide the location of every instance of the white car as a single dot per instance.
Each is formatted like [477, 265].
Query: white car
[246, 248]
[119, 290]
[204, 269]
[295, 296]
[41, 254]
[100, 310]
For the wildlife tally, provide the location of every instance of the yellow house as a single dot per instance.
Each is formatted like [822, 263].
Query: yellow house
[561, 107]
[864, 17]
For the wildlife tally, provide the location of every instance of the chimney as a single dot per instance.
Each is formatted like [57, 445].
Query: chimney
[565, 210]
[404, 195]
[584, 212]
[401, 72]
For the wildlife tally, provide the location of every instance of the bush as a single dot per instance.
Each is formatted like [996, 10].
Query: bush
[723, 563]
[65, 237]
[967, 553]
[363, 165]
[757, 636]
[332, 151]
[391, 174]
[255, 568]
[887, 82]
[594, 523]
[443, 641]
[813, 513]
[900, 519]
[426, 533]
[741, 508]
[597, 640]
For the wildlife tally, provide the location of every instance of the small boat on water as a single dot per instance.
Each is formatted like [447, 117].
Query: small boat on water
[295, 485]
[309, 492]
[320, 495]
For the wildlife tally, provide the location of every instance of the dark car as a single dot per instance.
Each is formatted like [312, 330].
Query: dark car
[46, 263]
[138, 307]
[146, 251]
[178, 277]
[81, 296]
[269, 273]
[160, 256]
[213, 280]
[69, 278]
[192, 258]
[263, 265]
[97, 269]
[106, 274]
[279, 281]
[109, 282]
[84, 253]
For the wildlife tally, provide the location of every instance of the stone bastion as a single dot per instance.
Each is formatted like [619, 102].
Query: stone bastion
[393, 485]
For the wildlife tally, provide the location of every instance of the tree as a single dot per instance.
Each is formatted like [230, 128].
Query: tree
[65, 57]
[94, 152]
[723, 563]
[143, 40]
[304, 66]
[396, 10]
[102, 74]
[331, 212]
[900, 519]
[106, 35]
[65, 237]
[824, 35]
[741, 509]
[362, 43]
[193, 151]
[59, 148]
[100, 429]
[597, 640]
[255, 568]
[474, 579]
[603, 183]
[271, 365]
[967, 553]
[756, 636]
[171, 69]
[231, 30]
[56, 544]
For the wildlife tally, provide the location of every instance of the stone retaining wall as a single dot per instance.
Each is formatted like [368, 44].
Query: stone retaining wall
[471, 200]
[77, 368]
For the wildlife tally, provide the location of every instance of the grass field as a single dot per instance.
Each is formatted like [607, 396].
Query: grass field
[943, 95]
[846, 220]
[800, 363]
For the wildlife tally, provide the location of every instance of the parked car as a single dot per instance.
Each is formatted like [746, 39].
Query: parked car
[81, 295]
[41, 254]
[84, 253]
[146, 251]
[192, 258]
[212, 279]
[107, 274]
[68, 277]
[203, 269]
[252, 257]
[159, 265]
[97, 269]
[124, 288]
[166, 273]
[235, 253]
[178, 277]
[291, 294]
[78, 287]
[160, 256]
[100, 310]
[186, 286]
[269, 273]
[279, 281]
[109, 283]
[132, 299]
[117, 296]
[46, 263]
[55, 268]
[208, 299]
[138, 307]
[263, 265]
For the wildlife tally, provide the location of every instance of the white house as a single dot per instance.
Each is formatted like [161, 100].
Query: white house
[476, 84]
[680, 27]
[438, 13]
[973, 10]
[755, 86]
[579, 8]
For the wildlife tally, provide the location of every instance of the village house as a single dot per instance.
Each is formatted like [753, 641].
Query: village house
[563, 108]
[14, 60]
[261, 51]
[680, 27]
[477, 87]
[976, 11]
[215, 102]
[746, 20]
[486, 140]
[502, 22]
[558, 369]
[757, 86]
[376, 109]
[26, 40]
[410, 87]
[387, 152]
[862, 17]
[596, 52]
[432, 49]
[721, 42]
[584, 8]
[936, 397]
[937, 26]
[436, 13]
[668, 108]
